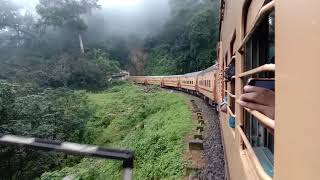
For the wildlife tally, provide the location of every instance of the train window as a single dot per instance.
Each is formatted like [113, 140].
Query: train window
[258, 51]
[232, 89]
[225, 82]
[233, 65]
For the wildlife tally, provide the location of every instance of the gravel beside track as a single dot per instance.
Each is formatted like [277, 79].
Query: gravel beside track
[214, 168]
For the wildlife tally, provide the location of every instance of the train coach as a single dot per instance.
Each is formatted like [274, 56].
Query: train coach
[138, 79]
[154, 80]
[206, 83]
[189, 82]
[255, 37]
[171, 81]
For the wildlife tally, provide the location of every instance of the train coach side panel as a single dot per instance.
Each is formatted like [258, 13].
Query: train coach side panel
[171, 81]
[188, 82]
[154, 80]
[137, 79]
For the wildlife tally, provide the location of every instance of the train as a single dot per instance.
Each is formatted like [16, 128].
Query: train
[200, 83]
[263, 39]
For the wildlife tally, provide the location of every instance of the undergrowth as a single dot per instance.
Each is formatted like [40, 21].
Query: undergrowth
[154, 125]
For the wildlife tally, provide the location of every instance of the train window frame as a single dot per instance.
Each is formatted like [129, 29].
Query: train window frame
[232, 89]
[256, 53]
[225, 83]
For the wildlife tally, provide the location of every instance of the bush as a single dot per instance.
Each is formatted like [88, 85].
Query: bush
[59, 114]
[158, 145]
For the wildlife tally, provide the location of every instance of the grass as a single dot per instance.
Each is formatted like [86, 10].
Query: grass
[120, 114]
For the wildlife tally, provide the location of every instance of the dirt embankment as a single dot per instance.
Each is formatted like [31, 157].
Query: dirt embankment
[137, 60]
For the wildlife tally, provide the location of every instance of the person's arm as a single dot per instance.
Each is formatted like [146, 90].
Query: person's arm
[259, 99]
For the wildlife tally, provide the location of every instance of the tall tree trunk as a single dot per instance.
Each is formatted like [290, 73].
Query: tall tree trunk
[81, 43]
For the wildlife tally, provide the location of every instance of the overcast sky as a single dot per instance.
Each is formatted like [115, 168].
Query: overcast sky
[114, 4]
[122, 17]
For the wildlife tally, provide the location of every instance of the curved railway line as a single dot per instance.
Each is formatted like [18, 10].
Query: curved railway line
[264, 40]
[276, 40]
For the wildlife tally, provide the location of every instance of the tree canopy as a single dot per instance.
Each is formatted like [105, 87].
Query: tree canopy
[43, 76]
[66, 13]
[189, 37]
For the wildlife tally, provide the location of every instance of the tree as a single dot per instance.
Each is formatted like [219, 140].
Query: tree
[53, 114]
[66, 13]
[191, 35]
[18, 27]
[8, 14]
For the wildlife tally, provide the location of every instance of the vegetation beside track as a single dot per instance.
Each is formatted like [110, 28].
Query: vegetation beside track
[152, 123]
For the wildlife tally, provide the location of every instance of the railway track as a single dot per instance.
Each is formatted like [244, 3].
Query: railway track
[209, 141]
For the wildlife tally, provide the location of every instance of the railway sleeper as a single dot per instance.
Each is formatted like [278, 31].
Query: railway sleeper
[200, 117]
[200, 128]
[196, 144]
[201, 121]
[192, 172]
[198, 136]
[196, 109]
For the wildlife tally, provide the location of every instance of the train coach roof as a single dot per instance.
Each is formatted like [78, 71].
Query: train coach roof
[191, 74]
[174, 76]
[211, 68]
[154, 76]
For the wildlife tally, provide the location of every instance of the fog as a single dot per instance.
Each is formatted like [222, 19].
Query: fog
[134, 19]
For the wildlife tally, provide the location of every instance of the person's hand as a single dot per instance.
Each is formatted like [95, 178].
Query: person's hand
[259, 99]
[224, 108]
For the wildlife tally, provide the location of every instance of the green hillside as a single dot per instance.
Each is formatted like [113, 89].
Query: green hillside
[153, 124]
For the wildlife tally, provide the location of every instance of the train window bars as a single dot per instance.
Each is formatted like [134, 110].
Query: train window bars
[229, 73]
[127, 157]
[257, 49]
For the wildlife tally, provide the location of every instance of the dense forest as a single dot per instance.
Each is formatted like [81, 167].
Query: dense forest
[187, 42]
[52, 53]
